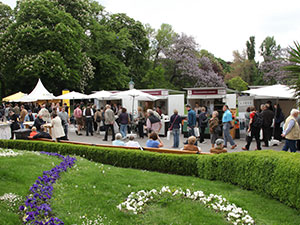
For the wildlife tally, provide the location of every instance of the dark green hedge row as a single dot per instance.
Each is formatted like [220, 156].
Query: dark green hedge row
[274, 173]
[165, 163]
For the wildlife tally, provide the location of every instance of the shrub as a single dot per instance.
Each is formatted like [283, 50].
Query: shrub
[274, 173]
[152, 161]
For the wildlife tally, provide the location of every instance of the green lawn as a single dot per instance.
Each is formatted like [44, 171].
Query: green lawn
[17, 174]
[86, 191]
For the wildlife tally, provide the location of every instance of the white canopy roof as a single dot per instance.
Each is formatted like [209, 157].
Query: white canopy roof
[73, 95]
[102, 95]
[274, 91]
[38, 93]
[136, 94]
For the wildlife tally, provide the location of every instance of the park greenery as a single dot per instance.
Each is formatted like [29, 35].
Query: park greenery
[82, 47]
[91, 191]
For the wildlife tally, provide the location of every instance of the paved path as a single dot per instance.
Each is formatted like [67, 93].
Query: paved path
[98, 139]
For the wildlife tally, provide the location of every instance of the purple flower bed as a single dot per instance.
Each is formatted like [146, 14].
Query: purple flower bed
[37, 209]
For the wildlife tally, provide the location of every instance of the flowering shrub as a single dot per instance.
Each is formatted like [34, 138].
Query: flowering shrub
[136, 203]
[37, 208]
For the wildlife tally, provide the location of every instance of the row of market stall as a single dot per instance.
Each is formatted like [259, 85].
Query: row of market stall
[168, 100]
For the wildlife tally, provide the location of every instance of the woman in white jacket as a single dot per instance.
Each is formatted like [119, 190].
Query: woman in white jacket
[57, 128]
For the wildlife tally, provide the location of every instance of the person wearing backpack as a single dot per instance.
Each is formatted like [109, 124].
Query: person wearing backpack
[255, 125]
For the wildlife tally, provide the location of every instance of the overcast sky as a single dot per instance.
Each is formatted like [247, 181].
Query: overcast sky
[217, 25]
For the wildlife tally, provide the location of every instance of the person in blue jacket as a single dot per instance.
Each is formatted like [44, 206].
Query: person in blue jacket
[226, 120]
[191, 121]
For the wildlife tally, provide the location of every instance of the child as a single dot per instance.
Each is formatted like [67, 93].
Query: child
[219, 147]
[33, 132]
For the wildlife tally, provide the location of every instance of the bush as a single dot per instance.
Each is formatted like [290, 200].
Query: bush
[274, 173]
[166, 163]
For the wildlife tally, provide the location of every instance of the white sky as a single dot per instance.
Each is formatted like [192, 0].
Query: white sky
[219, 26]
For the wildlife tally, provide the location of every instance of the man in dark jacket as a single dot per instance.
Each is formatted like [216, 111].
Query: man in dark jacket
[191, 121]
[268, 116]
[38, 122]
[203, 121]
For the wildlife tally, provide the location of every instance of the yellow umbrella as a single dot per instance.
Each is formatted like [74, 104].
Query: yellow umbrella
[15, 96]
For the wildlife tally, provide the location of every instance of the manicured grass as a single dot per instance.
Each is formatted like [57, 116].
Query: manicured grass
[17, 174]
[86, 190]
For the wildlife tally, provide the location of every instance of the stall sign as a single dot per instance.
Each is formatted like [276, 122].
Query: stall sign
[158, 92]
[207, 92]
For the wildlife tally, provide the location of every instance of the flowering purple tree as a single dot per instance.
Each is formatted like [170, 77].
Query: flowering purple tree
[187, 64]
[273, 67]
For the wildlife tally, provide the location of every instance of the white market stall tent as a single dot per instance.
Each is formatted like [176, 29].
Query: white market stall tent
[102, 95]
[277, 94]
[275, 91]
[38, 93]
[131, 97]
[72, 96]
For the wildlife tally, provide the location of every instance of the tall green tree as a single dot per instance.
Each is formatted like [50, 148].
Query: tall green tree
[250, 44]
[6, 18]
[107, 53]
[135, 54]
[44, 42]
[269, 48]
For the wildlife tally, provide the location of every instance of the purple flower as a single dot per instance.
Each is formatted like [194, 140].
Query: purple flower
[41, 191]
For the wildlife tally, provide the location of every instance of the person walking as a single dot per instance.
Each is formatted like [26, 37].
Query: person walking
[214, 128]
[88, 114]
[63, 115]
[141, 122]
[175, 122]
[79, 120]
[203, 121]
[268, 116]
[291, 131]
[279, 118]
[98, 120]
[109, 117]
[124, 120]
[191, 124]
[247, 118]
[255, 124]
[227, 120]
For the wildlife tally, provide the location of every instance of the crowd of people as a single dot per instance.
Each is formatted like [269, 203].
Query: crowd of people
[263, 125]
[54, 117]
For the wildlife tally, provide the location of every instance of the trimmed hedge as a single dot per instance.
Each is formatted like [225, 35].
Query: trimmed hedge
[127, 158]
[274, 173]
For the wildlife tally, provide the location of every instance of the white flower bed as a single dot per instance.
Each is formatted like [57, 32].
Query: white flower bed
[11, 199]
[136, 202]
[8, 153]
